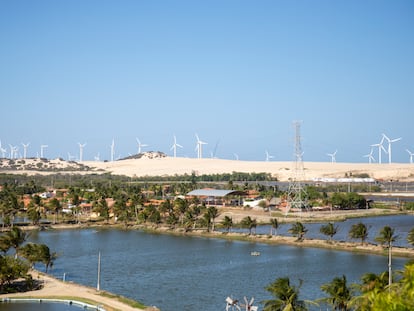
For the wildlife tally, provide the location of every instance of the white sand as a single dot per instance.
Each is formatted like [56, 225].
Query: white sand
[282, 170]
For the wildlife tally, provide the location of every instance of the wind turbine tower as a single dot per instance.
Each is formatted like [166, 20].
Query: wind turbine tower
[332, 155]
[380, 147]
[25, 150]
[411, 155]
[112, 150]
[81, 146]
[140, 145]
[370, 156]
[390, 141]
[174, 146]
[3, 151]
[11, 151]
[268, 156]
[199, 147]
[296, 192]
[42, 148]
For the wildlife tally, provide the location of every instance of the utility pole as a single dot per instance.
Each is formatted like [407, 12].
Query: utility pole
[296, 193]
[98, 285]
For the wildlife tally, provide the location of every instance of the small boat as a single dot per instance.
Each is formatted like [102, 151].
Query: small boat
[255, 253]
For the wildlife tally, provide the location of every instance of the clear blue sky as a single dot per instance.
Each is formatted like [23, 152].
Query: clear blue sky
[238, 73]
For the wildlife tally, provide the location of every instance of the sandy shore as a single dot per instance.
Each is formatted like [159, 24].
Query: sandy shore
[57, 289]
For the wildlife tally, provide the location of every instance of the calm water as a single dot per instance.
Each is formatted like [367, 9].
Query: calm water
[24, 306]
[402, 224]
[189, 273]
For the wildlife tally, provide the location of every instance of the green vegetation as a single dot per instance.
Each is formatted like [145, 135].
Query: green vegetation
[359, 231]
[329, 230]
[17, 266]
[286, 296]
[298, 230]
[373, 294]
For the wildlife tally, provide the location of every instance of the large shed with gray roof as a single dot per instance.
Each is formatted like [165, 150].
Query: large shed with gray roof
[218, 196]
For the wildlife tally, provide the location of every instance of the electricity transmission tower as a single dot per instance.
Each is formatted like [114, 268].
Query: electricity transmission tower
[297, 197]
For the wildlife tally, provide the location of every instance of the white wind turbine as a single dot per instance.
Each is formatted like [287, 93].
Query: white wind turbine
[390, 141]
[268, 156]
[174, 146]
[70, 157]
[42, 148]
[380, 147]
[25, 150]
[112, 150]
[236, 156]
[332, 155]
[11, 151]
[199, 147]
[3, 151]
[140, 145]
[81, 146]
[370, 156]
[97, 157]
[411, 155]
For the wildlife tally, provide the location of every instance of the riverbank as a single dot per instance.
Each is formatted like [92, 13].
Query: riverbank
[52, 288]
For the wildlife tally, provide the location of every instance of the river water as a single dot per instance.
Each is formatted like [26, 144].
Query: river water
[192, 273]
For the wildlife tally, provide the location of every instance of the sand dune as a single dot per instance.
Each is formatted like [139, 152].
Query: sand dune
[282, 170]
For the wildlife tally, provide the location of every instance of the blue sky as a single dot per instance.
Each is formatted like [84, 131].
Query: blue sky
[238, 73]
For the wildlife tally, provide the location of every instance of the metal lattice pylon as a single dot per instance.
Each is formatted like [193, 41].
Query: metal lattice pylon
[297, 197]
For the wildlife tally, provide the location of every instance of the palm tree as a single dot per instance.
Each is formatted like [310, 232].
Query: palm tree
[274, 225]
[399, 296]
[410, 237]
[298, 230]
[248, 222]
[359, 231]
[213, 213]
[387, 236]
[46, 257]
[372, 282]
[339, 293]
[56, 207]
[286, 296]
[227, 223]
[329, 230]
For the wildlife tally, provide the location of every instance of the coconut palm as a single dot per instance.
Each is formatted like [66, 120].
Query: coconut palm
[387, 236]
[329, 230]
[298, 230]
[250, 223]
[359, 231]
[286, 296]
[340, 294]
[213, 213]
[227, 223]
[274, 225]
[374, 282]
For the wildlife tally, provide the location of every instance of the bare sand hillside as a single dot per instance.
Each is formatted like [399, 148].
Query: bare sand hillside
[281, 170]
